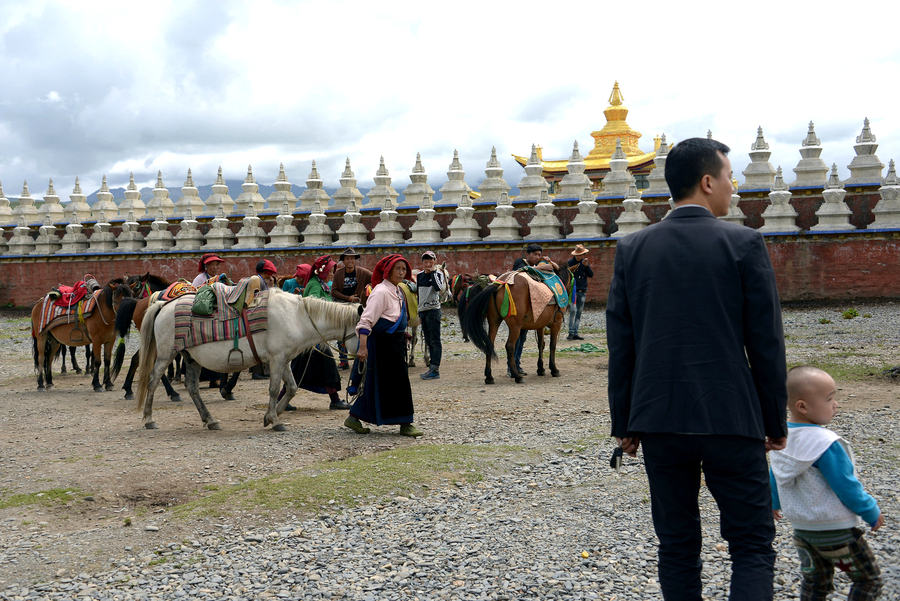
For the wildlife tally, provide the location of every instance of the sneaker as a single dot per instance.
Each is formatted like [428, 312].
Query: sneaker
[355, 425]
[409, 430]
[339, 406]
[430, 375]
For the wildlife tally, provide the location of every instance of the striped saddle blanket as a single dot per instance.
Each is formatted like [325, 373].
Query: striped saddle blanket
[193, 330]
[541, 294]
[53, 315]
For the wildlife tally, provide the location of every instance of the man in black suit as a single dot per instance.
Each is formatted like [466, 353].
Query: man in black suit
[697, 373]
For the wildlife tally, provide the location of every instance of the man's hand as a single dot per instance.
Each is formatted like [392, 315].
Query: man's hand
[354, 299]
[775, 444]
[629, 445]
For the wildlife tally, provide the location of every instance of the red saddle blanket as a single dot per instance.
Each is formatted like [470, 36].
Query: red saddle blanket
[71, 294]
[193, 330]
[52, 314]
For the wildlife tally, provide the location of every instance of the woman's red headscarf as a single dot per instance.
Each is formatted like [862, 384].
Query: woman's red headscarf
[383, 268]
[208, 258]
[323, 266]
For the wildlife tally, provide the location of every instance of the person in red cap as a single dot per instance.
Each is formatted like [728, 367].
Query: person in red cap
[386, 396]
[266, 271]
[315, 369]
[210, 268]
[296, 284]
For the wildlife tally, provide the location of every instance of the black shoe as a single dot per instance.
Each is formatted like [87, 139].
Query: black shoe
[258, 377]
[214, 384]
[339, 406]
[577, 337]
[289, 407]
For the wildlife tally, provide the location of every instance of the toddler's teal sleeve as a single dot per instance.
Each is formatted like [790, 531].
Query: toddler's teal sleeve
[837, 469]
[776, 502]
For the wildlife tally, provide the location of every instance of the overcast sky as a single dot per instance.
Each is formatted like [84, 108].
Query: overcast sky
[93, 88]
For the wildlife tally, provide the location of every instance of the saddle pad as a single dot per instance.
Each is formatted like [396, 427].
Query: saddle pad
[176, 290]
[540, 293]
[230, 299]
[53, 315]
[193, 330]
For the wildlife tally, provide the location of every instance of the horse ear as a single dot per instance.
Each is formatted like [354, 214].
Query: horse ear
[145, 277]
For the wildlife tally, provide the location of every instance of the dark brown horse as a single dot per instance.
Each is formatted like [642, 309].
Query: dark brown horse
[488, 304]
[98, 330]
[132, 310]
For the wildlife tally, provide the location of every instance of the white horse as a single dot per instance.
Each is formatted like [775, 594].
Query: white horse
[295, 324]
[444, 296]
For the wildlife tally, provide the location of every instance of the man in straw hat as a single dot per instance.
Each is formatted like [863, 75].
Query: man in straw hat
[582, 271]
[349, 286]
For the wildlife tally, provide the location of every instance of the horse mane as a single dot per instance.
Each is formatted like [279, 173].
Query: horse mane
[327, 311]
[115, 287]
[157, 282]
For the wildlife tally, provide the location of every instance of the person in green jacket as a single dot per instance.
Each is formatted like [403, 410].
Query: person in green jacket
[315, 369]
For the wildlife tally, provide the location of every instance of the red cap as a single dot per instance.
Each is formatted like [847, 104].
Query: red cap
[208, 258]
[324, 265]
[266, 266]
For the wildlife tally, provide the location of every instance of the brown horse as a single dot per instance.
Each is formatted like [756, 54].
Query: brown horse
[98, 330]
[488, 303]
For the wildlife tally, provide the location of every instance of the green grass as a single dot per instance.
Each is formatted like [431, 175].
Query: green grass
[842, 371]
[49, 498]
[355, 480]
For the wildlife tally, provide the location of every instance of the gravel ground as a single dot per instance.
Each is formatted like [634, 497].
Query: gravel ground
[558, 525]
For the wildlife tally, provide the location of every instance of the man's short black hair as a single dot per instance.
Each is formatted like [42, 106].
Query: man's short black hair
[531, 248]
[689, 161]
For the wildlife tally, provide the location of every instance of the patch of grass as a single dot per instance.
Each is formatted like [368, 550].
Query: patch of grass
[49, 498]
[824, 320]
[843, 371]
[850, 313]
[352, 481]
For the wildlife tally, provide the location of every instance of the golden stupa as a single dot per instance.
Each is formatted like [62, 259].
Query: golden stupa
[597, 160]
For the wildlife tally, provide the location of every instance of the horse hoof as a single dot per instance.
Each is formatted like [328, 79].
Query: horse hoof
[42, 389]
[541, 372]
[411, 364]
[214, 426]
[129, 396]
[555, 374]
[266, 422]
[99, 389]
[227, 396]
[489, 380]
[520, 380]
[78, 372]
[151, 426]
[280, 428]
[175, 398]
[110, 388]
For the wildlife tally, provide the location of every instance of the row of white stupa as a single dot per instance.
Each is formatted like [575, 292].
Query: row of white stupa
[833, 216]
[811, 172]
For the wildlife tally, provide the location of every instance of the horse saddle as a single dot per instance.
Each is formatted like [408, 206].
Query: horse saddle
[69, 296]
[176, 290]
[227, 301]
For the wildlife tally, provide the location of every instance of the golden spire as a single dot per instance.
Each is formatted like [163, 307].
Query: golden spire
[615, 128]
[615, 98]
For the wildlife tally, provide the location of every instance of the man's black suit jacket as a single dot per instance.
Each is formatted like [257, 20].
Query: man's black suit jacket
[694, 331]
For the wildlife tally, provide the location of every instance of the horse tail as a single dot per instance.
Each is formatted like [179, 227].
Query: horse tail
[123, 325]
[147, 352]
[473, 318]
[34, 352]
[461, 303]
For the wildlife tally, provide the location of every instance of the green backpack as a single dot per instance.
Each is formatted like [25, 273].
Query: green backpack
[204, 301]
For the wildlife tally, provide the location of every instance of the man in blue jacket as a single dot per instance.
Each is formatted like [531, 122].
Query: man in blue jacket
[697, 373]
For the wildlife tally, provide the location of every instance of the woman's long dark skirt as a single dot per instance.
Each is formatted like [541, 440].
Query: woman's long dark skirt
[317, 370]
[386, 397]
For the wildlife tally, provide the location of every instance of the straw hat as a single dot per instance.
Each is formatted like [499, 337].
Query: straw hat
[579, 250]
